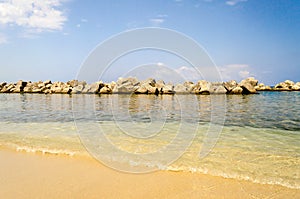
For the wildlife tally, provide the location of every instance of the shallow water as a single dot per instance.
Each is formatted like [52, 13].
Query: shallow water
[255, 137]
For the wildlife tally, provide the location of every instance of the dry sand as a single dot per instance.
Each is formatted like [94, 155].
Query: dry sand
[25, 175]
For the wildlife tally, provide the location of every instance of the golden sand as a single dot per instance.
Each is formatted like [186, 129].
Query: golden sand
[25, 175]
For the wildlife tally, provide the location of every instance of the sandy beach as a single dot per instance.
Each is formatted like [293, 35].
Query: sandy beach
[27, 175]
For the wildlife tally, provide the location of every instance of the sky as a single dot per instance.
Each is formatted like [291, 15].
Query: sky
[51, 39]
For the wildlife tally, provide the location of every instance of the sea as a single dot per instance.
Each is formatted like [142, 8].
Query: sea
[244, 137]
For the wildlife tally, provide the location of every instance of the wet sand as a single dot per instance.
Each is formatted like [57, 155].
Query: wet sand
[28, 175]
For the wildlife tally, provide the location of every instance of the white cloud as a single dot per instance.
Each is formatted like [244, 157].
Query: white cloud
[84, 20]
[225, 73]
[34, 15]
[236, 71]
[3, 39]
[156, 21]
[78, 25]
[234, 2]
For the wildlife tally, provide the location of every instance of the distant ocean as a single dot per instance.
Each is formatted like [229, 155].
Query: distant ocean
[259, 138]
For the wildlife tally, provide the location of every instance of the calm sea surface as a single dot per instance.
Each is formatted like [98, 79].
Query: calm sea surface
[255, 137]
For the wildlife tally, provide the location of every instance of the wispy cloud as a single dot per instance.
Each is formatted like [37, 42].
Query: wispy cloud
[35, 15]
[83, 20]
[158, 20]
[234, 2]
[227, 72]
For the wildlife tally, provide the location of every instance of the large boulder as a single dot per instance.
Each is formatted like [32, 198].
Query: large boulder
[77, 89]
[168, 89]
[230, 85]
[286, 85]
[147, 87]
[159, 85]
[248, 85]
[8, 88]
[126, 85]
[203, 87]
[189, 85]
[93, 88]
[296, 87]
[262, 87]
[236, 90]
[19, 87]
[181, 89]
[219, 89]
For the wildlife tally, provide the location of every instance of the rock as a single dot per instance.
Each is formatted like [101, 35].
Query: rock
[93, 88]
[296, 87]
[147, 87]
[73, 83]
[248, 85]
[181, 89]
[47, 82]
[8, 88]
[237, 90]
[19, 87]
[262, 87]
[189, 85]
[126, 85]
[168, 89]
[230, 85]
[105, 90]
[202, 87]
[77, 89]
[219, 90]
[286, 85]
[159, 85]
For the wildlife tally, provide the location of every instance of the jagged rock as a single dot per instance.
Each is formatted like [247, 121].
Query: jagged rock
[93, 88]
[19, 87]
[105, 90]
[203, 87]
[296, 87]
[159, 85]
[126, 85]
[248, 85]
[181, 89]
[189, 85]
[219, 89]
[237, 90]
[230, 85]
[73, 83]
[77, 89]
[262, 87]
[286, 85]
[147, 87]
[47, 82]
[168, 89]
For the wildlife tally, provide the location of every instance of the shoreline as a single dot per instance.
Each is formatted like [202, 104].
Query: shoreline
[27, 175]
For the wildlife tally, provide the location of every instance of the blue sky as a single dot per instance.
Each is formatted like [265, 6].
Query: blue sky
[50, 39]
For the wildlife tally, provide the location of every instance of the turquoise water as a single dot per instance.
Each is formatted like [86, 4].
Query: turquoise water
[255, 137]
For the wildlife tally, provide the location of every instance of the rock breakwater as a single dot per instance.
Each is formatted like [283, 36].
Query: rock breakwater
[132, 85]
